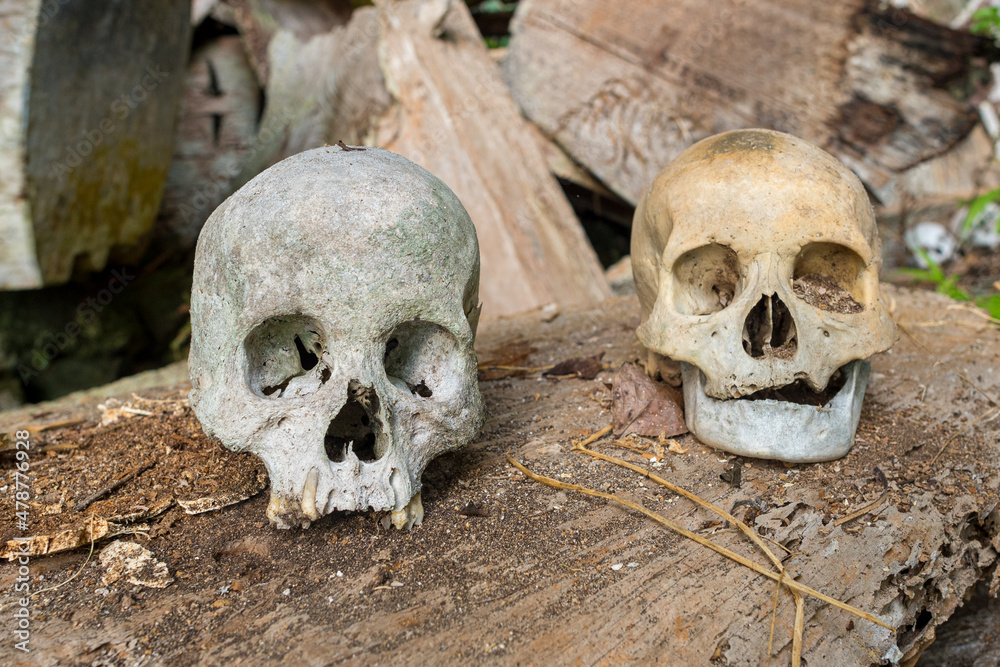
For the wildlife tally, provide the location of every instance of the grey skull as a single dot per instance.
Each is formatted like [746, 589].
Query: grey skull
[333, 315]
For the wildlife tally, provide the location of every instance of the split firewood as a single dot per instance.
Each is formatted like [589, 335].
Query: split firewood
[633, 87]
[452, 114]
[217, 134]
[414, 77]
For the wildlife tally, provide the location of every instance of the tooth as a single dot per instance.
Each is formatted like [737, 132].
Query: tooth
[410, 516]
[278, 512]
[309, 495]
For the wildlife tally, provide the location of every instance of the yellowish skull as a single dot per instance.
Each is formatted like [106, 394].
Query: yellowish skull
[756, 260]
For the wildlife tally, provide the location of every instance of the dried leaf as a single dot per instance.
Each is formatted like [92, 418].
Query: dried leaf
[585, 369]
[508, 361]
[644, 407]
[733, 474]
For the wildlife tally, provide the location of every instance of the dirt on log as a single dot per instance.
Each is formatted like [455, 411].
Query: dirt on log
[505, 571]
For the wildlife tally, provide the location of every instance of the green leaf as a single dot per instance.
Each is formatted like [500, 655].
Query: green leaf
[934, 271]
[976, 209]
[918, 275]
[991, 304]
[986, 14]
[986, 21]
[949, 287]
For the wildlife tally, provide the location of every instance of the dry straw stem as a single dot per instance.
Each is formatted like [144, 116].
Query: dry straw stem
[946, 323]
[774, 617]
[797, 630]
[749, 532]
[518, 369]
[77, 573]
[861, 512]
[965, 378]
[759, 569]
[974, 310]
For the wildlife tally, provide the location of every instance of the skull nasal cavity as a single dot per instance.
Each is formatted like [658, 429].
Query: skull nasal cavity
[769, 330]
[356, 427]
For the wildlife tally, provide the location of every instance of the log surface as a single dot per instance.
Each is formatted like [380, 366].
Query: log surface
[504, 571]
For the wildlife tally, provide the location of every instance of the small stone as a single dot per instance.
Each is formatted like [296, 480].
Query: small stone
[287, 591]
[617, 566]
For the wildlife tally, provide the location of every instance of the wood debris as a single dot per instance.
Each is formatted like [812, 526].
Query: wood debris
[635, 86]
[134, 563]
[586, 368]
[81, 534]
[230, 497]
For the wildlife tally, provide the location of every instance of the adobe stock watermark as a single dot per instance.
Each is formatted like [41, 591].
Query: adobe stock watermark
[120, 109]
[46, 13]
[220, 178]
[54, 344]
[21, 489]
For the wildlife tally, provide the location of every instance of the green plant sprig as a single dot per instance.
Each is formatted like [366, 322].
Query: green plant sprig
[948, 285]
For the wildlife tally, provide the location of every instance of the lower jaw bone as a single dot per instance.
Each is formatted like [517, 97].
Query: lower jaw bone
[772, 429]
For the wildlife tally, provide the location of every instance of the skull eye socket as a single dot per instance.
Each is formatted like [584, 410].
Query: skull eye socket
[283, 357]
[424, 358]
[705, 279]
[830, 277]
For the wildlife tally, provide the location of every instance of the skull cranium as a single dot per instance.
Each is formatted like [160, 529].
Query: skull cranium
[756, 260]
[333, 315]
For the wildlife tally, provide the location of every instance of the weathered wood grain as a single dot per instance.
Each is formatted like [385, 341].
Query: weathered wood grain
[625, 87]
[452, 114]
[216, 135]
[89, 101]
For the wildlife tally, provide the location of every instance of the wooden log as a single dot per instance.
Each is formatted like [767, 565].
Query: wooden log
[452, 114]
[625, 88]
[320, 88]
[415, 78]
[216, 137]
[504, 570]
[88, 101]
[260, 20]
